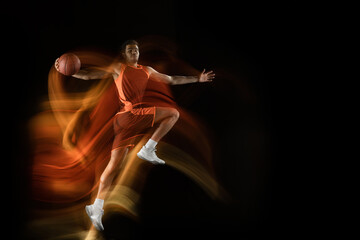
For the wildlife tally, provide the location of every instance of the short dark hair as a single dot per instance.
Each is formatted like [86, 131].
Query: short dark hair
[128, 42]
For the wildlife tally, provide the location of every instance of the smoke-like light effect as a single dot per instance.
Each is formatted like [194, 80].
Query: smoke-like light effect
[71, 145]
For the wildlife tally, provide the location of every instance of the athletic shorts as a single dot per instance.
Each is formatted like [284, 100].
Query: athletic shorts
[131, 124]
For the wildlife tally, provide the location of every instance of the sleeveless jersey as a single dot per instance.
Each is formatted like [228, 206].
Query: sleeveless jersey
[131, 85]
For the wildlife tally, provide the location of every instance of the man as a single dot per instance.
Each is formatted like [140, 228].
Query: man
[131, 80]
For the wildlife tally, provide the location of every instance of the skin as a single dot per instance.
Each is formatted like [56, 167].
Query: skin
[165, 116]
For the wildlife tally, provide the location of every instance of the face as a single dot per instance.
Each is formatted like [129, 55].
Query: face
[131, 54]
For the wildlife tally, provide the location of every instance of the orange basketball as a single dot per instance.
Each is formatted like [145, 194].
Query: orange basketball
[69, 64]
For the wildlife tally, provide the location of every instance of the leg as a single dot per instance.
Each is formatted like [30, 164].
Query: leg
[117, 157]
[167, 118]
[95, 211]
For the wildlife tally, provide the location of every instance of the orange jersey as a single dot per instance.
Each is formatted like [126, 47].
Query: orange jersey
[135, 118]
[131, 85]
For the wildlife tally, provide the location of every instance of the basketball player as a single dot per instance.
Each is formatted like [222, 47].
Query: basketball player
[131, 79]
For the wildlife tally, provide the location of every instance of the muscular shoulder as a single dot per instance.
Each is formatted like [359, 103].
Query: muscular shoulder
[116, 67]
[149, 69]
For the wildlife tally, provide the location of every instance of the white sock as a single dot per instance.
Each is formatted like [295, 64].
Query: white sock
[151, 144]
[99, 203]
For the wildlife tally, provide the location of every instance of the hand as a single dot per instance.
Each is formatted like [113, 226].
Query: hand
[206, 76]
[57, 64]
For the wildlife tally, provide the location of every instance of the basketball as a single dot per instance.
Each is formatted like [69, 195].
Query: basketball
[69, 64]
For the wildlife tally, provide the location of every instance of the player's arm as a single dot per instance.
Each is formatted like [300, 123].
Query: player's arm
[176, 80]
[88, 73]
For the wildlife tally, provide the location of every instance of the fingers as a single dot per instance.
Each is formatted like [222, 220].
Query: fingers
[207, 76]
[210, 75]
[57, 64]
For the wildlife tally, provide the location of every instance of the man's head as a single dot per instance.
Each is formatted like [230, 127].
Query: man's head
[130, 51]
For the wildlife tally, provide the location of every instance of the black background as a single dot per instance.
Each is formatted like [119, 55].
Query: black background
[264, 44]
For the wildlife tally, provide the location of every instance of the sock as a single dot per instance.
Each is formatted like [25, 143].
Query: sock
[99, 203]
[151, 144]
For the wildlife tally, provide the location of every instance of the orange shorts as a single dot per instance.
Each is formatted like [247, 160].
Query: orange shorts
[131, 124]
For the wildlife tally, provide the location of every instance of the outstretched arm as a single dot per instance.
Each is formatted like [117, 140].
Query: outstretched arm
[175, 80]
[85, 74]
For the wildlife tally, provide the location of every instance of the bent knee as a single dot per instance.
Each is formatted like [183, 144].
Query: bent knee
[163, 113]
[175, 113]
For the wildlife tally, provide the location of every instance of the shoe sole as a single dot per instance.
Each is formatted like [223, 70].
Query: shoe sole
[153, 162]
[89, 213]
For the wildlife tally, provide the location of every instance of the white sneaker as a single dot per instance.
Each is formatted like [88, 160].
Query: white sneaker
[149, 155]
[95, 216]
